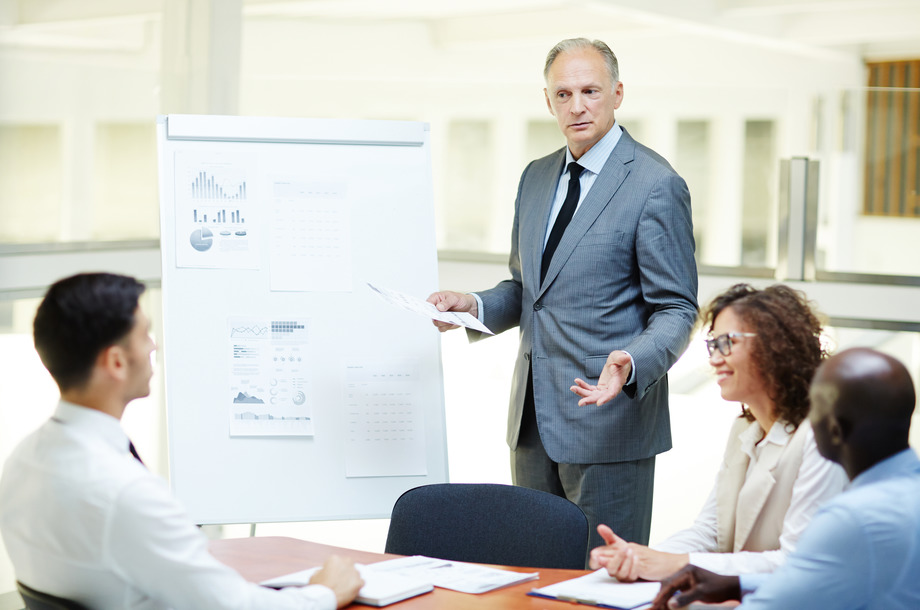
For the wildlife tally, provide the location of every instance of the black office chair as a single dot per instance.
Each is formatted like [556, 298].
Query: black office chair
[36, 600]
[486, 523]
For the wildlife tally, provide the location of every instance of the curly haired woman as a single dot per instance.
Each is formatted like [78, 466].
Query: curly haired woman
[764, 348]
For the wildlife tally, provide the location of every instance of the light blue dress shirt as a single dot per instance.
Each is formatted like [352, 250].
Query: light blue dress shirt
[593, 161]
[861, 550]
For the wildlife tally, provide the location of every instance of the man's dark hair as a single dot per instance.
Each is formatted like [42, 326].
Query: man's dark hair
[79, 317]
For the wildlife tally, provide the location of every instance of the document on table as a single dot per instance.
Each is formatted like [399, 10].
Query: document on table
[381, 587]
[454, 575]
[600, 589]
[424, 308]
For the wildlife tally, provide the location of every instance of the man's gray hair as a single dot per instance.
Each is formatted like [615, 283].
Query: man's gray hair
[573, 44]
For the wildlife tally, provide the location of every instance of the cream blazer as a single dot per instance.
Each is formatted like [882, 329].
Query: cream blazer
[752, 508]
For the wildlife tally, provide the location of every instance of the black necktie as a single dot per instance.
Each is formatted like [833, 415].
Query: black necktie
[134, 453]
[562, 220]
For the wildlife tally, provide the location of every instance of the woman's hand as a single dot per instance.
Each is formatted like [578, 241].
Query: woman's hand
[628, 561]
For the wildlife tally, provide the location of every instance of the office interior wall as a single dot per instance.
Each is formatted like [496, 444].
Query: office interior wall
[409, 69]
[72, 104]
[31, 182]
[125, 163]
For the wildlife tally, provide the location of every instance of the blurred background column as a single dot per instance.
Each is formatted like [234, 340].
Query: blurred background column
[201, 56]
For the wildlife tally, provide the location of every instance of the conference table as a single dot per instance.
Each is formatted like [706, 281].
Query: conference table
[261, 558]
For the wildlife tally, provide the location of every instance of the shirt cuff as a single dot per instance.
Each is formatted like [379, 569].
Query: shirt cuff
[632, 370]
[750, 582]
[479, 307]
[321, 594]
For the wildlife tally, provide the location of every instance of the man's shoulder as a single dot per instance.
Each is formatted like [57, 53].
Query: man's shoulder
[70, 464]
[553, 160]
[628, 147]
[893, 494]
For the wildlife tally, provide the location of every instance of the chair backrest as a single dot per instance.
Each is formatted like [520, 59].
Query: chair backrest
[36, 600]
[487, 523]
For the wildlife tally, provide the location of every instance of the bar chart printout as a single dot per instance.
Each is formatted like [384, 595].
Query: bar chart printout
[269, 393]
[215, 224]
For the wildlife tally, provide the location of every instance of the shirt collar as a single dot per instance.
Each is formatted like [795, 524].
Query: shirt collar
[779, 434]
[901, 463]
[596, 156]
[92, 422]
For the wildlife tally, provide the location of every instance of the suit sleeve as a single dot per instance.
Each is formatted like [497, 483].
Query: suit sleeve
[502, 304]
[668, 280]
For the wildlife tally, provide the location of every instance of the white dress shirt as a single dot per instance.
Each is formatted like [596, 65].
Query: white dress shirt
[82, 519]
[818, 480]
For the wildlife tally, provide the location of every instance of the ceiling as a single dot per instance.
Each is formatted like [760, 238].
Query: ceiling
[871, 29]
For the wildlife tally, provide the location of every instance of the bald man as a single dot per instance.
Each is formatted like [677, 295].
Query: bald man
[862, 549]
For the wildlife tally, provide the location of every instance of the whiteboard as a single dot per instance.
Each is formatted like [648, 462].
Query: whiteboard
[293, 392]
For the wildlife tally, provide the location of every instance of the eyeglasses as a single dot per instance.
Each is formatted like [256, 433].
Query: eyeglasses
[724, 343]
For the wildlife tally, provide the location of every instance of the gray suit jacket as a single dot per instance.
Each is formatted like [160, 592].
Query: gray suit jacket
[623, 277]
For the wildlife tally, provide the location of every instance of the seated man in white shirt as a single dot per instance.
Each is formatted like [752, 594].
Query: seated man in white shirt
[83, 519]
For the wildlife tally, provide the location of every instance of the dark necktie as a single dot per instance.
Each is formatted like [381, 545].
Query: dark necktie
[562, 220]
[134, 453]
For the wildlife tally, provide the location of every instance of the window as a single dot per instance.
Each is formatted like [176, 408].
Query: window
[893, 139]
[31, 183]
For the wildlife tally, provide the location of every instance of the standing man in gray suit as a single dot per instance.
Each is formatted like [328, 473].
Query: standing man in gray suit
[603, 287]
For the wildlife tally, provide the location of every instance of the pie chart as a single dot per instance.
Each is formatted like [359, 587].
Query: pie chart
[202, 239]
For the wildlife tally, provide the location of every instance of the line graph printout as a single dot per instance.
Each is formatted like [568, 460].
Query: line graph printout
[216, 226]
[269, 377]
[310, 236]
[385, 425]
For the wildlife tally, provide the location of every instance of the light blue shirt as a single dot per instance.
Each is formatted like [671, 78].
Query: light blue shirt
[593, 161]
[861, 550]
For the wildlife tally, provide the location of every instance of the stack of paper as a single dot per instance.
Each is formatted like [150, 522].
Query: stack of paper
[455, 575]
[600, 589]
[390, 581]
[380, 588]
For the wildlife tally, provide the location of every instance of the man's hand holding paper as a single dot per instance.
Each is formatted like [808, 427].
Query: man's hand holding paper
[449, 312]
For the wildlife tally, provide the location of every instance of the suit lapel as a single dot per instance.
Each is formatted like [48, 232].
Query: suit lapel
[603, 190]
[755, 491]
[729, 486]
[537, 231]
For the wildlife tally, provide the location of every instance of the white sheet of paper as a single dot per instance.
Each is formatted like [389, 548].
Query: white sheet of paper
[269, 393]
[454, 575]
[310, 236]
[424, 308]
[599, 587]
[385, 425]
[217, 224]
[381, 587]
